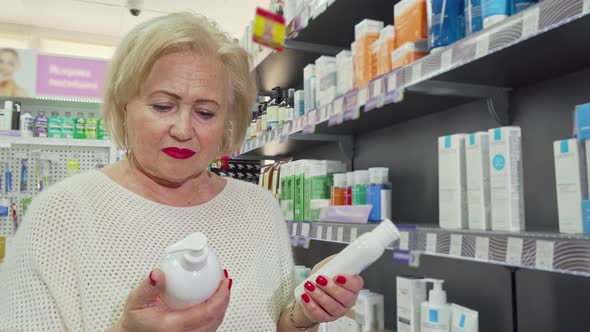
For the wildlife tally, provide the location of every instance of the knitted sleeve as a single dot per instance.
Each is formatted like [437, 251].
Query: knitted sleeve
[285, 253]
[38, 285]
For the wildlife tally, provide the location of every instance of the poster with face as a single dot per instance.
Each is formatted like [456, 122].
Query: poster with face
[18, 71]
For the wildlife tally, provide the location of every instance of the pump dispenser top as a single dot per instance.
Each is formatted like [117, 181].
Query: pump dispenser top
[193, 271]
[436, 295]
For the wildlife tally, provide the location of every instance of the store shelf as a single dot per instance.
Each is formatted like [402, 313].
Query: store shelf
[554, 252]
[486, 65]
[7, 141]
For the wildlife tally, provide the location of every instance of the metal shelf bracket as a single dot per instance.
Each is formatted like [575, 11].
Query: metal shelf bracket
[345, 142]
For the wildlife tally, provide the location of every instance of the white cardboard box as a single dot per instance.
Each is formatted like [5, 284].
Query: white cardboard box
[477, 157]
[571, 185]
[452, 182]
[506, 179]
[411, 292]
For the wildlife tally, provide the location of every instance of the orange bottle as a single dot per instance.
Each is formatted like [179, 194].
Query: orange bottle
[337, 196]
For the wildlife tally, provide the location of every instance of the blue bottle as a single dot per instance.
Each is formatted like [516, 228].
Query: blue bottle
[446, 22]
[473, 17]
[379, 194]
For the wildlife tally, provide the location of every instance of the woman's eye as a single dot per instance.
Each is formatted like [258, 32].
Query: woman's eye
[161, 108]
[205, 115]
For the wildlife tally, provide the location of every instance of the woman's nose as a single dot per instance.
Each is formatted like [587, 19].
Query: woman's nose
[182, 128]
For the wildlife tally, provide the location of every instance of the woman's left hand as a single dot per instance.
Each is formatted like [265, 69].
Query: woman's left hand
[326, 299]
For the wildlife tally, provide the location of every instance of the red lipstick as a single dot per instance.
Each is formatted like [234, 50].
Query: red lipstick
[178, 153]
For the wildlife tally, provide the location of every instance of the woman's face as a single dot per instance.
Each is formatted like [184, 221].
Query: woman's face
[8, 65]
[175, 126]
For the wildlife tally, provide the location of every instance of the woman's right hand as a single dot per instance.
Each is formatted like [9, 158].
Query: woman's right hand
[146, 311]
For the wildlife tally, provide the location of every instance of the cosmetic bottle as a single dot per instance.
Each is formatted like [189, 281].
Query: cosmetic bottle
[67, 126]
[26, 125]
[40, 125]
[54, 126]
[436, 312]
[193, 271]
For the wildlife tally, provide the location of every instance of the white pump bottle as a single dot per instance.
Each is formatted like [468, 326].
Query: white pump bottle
[358, 255]
[193, 272]
[436, 312]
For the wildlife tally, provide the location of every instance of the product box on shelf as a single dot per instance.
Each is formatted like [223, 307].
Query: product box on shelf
[571, 184]
[309, 87]
[366, 32]
[318, 183]
[410, 21]
[473, 19]
[299, 189]
[582, 128]
[369, 311]
[411, 292]
[452, 182]
[299, 104]
[506, 179]
[409, 53]
[344, 66]
[477, 157]
[326, 79]
[386, 45]
[287, 191]
[446, 23]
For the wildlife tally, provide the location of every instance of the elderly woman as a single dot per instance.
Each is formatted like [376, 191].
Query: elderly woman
[178, 95]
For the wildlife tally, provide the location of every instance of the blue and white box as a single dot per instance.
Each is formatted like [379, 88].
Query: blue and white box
[571, 185]
[506, 179]
[477, 155]
[452, 188]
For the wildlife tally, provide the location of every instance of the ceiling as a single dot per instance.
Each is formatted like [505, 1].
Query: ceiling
[111, 17]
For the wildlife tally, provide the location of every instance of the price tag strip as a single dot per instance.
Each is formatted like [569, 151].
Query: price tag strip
[353, 233]
[482, 45]
[329, 233]
[394, 91]
[482, 248]
[285, 132]
[544, 255]
[446, 59]
[404, 241]
[530, 22]
[456, 245]
[376, 95]
[305, 229]
[319, 232]
[431, 243]
[311, 122]
[350, 105]
[514, 251]
[340, 236]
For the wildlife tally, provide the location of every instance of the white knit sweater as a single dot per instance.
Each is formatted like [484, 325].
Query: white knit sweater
[87, 242]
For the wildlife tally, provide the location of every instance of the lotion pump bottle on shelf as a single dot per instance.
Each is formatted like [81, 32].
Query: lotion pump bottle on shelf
[436, 312]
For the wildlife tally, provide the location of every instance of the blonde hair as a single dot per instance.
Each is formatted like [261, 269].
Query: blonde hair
[177, 32]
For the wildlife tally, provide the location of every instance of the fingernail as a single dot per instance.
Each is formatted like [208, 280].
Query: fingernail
[309, 286]
[225, 273]
[321, 281]
[341, 280]
[305, 298]
[230, 283]
[152, 280]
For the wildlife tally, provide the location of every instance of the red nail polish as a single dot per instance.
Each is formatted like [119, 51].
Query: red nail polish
[341, 280]
[321, 281]
[230, 283]
[225, 273]
[152, 280]
[309, 286]
[305, 298]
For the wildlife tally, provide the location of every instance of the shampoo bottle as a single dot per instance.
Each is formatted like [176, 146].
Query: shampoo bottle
[349, 186]
[54, 126]
[80, 126]
[193, 272]
[67, 126]
[90, 128]
[26, 125]
[40, 125]
[359, 191]
[16, 116]
[358, 255]
[436, 312]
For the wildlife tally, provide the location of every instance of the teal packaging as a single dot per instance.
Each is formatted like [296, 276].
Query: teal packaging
[473, 18]
[582, 127]
[586, 215]
[446, 22]
[494, 11]
[520, 5]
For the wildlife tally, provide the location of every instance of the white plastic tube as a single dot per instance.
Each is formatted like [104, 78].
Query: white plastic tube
[358, 255]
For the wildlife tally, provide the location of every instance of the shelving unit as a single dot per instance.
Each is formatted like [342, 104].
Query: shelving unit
[561, 253]
[486, 65]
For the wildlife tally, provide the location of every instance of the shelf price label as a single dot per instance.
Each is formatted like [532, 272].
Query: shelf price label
[319, 232]
[482, 248]
[294, 229]
[329, 233]
[363, 95]
[514, 251]
[392, 81]
[530, 22]
[353, 233]
[431, 242]
[338, 105]
[482, 46]
[305, 229]
[456, 245]
[544, 255]
[404, 240]
[285, 131]
[340, 234]
[417, 71]
[311, 120]
[446, 59]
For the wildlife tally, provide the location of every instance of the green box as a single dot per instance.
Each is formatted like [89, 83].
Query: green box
[287, 191]
[319, 179]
